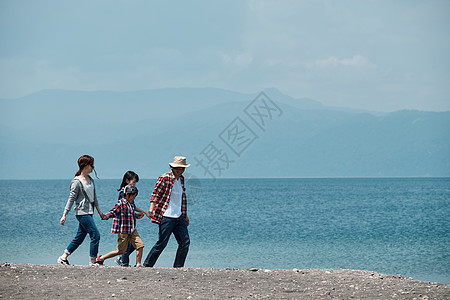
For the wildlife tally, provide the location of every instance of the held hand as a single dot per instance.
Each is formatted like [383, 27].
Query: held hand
[63, 220]
[103, 216]
[187, 220]
[149, 214]
[139, 215]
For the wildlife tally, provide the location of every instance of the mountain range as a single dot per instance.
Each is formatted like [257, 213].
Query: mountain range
[223, 133]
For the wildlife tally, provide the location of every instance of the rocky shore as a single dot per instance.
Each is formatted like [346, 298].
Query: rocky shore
[25, 281]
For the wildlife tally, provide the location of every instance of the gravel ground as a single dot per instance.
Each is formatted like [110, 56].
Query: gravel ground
[25, 281]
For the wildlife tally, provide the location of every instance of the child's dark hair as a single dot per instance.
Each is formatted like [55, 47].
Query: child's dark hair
[130, 190]
[129, 175]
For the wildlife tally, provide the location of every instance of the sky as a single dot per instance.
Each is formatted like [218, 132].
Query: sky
[379, 55]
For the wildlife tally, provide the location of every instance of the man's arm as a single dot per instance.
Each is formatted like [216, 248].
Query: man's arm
[157, 194]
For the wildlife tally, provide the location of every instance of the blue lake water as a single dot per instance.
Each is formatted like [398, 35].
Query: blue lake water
[388, 225]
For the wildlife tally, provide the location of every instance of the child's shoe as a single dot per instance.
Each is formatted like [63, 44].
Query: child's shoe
[63, 261]
[118, 261]
[139, 266]
[99, 261]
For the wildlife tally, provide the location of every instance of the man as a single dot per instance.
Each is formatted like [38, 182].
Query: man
[168, 209]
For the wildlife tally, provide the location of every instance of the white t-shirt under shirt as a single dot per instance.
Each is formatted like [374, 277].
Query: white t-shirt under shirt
[89, 188]
[132, 223]
[174, 208]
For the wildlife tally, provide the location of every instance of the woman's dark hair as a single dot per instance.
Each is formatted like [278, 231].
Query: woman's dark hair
[83, 161]
[129, 175]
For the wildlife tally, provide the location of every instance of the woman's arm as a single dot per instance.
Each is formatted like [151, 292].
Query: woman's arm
[102, 215]
[74, 190]
[95, 193]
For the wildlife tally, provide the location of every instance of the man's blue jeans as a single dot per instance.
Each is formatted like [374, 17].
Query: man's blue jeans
[179, 229]
[86, 225]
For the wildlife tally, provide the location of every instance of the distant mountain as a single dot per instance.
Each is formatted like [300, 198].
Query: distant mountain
[44, 133]
[51, 114]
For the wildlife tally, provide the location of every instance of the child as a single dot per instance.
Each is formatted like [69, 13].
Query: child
[125, 226]
[132, 178]
[129, 177]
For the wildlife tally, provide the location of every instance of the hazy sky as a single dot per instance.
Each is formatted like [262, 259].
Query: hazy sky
[377, 55]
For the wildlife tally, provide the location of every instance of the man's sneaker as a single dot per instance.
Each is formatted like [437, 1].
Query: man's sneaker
[63, 261]
[94, 264]
[99, 261]
[118, 261]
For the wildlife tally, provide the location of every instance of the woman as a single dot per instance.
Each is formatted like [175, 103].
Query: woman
[82, 193]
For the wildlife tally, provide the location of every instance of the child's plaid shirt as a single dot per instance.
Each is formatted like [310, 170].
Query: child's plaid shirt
[161, 196]
[124, 217]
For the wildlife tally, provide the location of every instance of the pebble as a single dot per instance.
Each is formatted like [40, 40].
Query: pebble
[227, 284]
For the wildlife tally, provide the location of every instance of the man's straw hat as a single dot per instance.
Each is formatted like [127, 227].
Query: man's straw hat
[179, 162]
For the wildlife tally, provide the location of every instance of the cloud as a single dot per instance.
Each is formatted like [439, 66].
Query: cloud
[341, 53]
[237, 60]
[356, 61]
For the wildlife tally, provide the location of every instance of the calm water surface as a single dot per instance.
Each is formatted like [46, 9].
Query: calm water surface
[395, 226]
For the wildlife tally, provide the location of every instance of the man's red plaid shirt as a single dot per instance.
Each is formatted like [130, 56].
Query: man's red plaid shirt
[161, 196]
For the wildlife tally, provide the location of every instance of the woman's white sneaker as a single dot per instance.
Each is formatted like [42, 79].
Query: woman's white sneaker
[63, 262]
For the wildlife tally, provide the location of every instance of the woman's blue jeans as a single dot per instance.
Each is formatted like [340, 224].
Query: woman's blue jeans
[179, 229]
[86, 225]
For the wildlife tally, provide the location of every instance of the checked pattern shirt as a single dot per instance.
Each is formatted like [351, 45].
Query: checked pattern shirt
[161, 196]
[124, 217]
